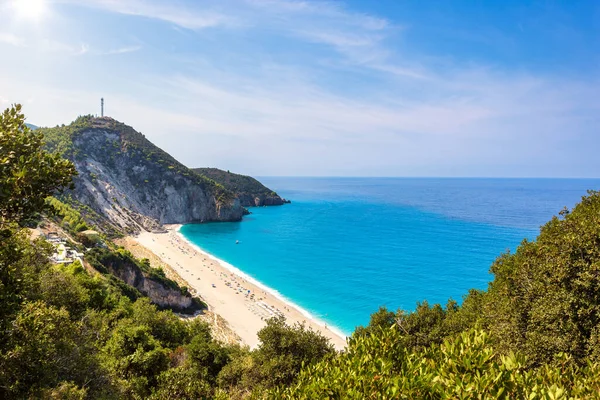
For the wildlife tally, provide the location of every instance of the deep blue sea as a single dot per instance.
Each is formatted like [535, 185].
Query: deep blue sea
[346, 246]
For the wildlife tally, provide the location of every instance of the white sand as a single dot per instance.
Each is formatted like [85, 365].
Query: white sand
[246, 315]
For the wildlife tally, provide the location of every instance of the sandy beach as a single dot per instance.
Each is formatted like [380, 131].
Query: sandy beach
[244, 306]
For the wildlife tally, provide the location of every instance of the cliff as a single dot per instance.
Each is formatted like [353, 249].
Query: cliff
[150, 282]
[248, 190]
[134, 184]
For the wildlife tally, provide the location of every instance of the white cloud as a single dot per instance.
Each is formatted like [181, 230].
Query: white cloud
[358, 37]
[332, 11]
[11, 39]
[488, 117]
[172, 12]
[350, 103]
[123, 50]
[55, 46]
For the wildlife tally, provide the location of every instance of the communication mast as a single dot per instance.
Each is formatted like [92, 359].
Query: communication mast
[102, 107]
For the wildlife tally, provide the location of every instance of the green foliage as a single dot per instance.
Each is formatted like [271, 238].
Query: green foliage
[135, 358]
[465, 366]
[63, 290]
[69, 334]
[59, 140]
[21, 263]
[283, 351]
[181, 383]
[44, 346]
[241, 185]
[64, 391]
[62, 139]
[427, 325]
[68, 217]
[382, 319]
[28, 174]
[545, 298]
[72, 334]
[109, 261]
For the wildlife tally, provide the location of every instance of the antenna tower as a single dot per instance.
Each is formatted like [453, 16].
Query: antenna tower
[102, 107]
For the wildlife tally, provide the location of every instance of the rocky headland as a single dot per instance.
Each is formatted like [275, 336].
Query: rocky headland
[132, 183]
[248, 190]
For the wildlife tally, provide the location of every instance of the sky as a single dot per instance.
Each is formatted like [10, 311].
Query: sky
[322, 88]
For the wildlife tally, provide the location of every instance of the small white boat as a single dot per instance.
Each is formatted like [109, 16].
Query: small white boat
[237, 242]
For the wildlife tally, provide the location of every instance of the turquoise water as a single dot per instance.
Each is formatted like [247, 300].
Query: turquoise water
[346, 246]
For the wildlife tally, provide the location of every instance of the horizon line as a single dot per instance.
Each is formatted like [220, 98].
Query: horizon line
[419, 177]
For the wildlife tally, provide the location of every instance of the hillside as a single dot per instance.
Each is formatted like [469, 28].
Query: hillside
[71, 333]
[250, 191]
[133, 183]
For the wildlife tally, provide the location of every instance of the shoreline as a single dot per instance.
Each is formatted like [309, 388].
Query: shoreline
[241, 300]
[273, 292]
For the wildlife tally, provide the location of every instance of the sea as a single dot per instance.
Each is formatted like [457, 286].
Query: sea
[346, 246]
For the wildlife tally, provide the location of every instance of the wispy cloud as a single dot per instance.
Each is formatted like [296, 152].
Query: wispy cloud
[173, 12]
[11, 39]
[55, 46]
[358, 37]
[315, 80]
[332, 11]
[123, 50]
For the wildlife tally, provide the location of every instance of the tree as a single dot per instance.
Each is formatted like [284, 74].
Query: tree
[545, 298]
[382, 318]
[44, 348]
[135, 358]
[284, 350]
[28, 174]
[462, 367]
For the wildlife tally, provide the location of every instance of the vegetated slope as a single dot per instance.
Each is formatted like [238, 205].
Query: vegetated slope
[115, 263]
[70, 334]
[250, 191]
[535, 333]
[133, 183]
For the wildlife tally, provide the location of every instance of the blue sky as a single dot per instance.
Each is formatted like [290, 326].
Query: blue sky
[348, 88]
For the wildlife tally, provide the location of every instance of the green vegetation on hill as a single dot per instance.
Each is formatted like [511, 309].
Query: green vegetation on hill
[68, 218]
[75, 217]
[464, 366]
[67, 333]
[245, 187]
[28, 174]
[235, 182]
[125, 183]
[60, 139]
[104, 260]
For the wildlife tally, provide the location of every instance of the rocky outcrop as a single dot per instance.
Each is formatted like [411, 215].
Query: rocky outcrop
[158, 292]
[248, 190]
[138, 274]
[248, 200]
[136, 185]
